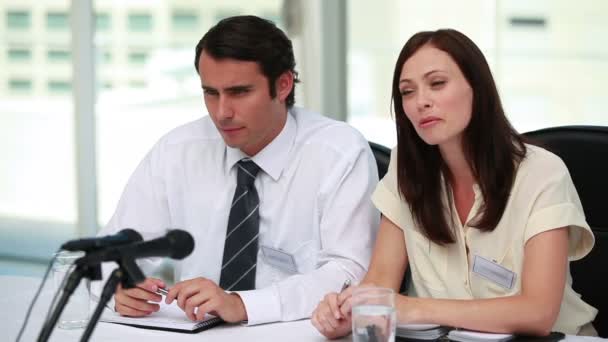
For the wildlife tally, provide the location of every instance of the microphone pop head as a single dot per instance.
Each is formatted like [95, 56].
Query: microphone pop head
[123, 237]
[182, 243]
[131, 235]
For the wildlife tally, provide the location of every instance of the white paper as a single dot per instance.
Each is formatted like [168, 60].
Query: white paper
[169, 316]
[418, 326]
[473, 336]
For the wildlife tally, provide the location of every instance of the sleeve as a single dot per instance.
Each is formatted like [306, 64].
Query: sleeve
[387, 197]
[348, 226]
[556, 204]
[143, 207]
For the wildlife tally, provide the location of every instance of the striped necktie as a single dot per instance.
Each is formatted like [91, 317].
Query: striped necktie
[241, 246]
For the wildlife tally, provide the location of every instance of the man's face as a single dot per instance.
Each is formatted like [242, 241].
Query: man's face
[238, 100]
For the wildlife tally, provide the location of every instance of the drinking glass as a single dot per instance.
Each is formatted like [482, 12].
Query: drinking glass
[76, 312]
[374, 316]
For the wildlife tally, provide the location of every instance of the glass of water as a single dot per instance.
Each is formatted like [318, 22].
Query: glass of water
[76, 312]
[373, 314]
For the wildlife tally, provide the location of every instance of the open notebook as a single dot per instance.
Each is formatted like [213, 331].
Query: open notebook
[169, 317]
[476, 336]
[421, 331]
[435, 331]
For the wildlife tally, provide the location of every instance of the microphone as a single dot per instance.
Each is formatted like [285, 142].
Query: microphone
[177, 244]
[123, 237]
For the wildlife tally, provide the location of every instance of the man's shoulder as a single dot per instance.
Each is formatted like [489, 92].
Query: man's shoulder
[316, 129]
[198, 130]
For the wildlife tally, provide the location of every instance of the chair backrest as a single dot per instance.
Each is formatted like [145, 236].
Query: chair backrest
[383, 157]
[584, 150]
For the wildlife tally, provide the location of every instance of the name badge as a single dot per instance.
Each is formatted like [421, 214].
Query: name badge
[279, 259]
[494, 272]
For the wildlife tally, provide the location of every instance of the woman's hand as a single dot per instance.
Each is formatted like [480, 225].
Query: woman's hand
[329, 318]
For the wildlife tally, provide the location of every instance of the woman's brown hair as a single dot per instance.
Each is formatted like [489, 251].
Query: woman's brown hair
[492, 147]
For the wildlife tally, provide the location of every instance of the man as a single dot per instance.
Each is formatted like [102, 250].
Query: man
[276, 198]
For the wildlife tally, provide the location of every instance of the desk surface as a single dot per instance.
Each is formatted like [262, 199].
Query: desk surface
[17, 293]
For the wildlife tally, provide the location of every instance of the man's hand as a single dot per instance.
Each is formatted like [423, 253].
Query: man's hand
[329, 319]
[200, 296]
[135, 302]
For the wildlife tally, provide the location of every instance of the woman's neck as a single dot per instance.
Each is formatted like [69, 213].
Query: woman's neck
[460, 178]
[460, 171]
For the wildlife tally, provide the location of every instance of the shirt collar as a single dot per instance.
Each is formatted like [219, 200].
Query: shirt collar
[477, 191]
[272, 159]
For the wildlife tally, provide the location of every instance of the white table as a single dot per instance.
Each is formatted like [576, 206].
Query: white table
[16, 294]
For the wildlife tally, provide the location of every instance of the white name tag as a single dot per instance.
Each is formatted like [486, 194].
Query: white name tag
[494, 272]
[279, 259]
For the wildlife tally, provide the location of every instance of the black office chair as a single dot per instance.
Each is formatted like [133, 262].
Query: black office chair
[383, 158]
[584, 149]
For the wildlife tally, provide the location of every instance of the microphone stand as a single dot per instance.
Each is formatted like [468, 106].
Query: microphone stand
[129, 274]
[177, 244]
[92, 272]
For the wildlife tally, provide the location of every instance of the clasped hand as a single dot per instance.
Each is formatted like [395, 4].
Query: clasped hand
[197, 297]
[333, 317]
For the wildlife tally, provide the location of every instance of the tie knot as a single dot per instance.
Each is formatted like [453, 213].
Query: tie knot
[247, 171]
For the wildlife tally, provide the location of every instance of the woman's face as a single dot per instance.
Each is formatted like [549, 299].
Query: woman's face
[436, 96]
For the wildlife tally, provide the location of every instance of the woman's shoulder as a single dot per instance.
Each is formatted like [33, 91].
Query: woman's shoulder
[542, 162]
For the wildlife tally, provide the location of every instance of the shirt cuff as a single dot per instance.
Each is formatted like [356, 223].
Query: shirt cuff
[580, 237]
[262, 306]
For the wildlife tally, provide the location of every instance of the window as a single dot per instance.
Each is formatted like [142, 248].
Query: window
[19, 55]
[57, 21]
[38, 133]
[137, 84]
[137, 58]
[18, 20]
[140, 22]
[55, 56]
[542, 72]
[59, 87]
[225, 13]
[184, 20]
[20, 85]
[102, 22]
[275, 17]
[105, 57]
[38, 183]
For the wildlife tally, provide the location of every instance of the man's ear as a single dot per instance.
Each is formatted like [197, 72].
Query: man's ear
[284, 85]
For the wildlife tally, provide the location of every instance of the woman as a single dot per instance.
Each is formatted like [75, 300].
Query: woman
[487, 223]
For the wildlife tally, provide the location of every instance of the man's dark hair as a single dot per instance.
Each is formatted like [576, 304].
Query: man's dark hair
[250, 38]
[492, 147]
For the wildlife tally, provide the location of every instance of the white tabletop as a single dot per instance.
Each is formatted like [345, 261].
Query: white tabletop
[17, 293]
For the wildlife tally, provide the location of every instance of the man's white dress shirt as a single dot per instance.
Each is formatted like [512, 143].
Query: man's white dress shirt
[315, 187]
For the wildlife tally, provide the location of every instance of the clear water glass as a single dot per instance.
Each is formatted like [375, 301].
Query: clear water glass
[374, 316]
[75, 315]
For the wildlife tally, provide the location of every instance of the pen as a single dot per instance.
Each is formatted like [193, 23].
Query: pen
[345, 285]
[162, 292]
